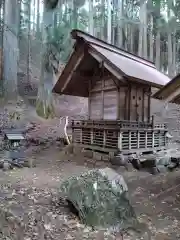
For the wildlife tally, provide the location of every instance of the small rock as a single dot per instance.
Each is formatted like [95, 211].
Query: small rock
[29, 163]
[6, 166]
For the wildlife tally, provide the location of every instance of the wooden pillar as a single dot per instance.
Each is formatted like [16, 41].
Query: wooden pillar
[145, 139]
[102, 110]
[92, 136]
[72, 126]
[143, 105]
[149, 105]
[138, 139]
[89, 100]
[104, 138]
[81, 133]
[129, 140]
[120, 140]
[153, 138]
[118, 103]
[153, 121]
[137, 114]
[129, 102]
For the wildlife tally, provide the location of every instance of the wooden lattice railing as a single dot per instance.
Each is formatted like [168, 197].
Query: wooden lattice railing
[115, 124]
[118, 135]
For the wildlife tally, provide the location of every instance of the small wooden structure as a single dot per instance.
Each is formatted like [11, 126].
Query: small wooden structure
[13, 138]
[118, 87]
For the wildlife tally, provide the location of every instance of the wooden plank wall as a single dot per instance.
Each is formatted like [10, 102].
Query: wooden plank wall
[110, 105]
[109, 102]
[96, 106]
[138, 103]
[103, 100]
[122, 103]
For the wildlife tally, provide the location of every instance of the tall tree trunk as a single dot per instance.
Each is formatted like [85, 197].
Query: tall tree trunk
[109, 21]
[44, 106]
[141, 28]
[102, 27]
[74, 20]
[170, 56]
[158, 38]
[34, 16]
[120, 7]
[132, 38]
[38, 18]
[11, 50]
[28, 40]
[145, 30]
[91, 17]
[151, 41]
[174, 54]
[158, 51]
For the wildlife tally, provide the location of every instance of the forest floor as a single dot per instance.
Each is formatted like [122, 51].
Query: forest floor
[29, 205]
[30, 208]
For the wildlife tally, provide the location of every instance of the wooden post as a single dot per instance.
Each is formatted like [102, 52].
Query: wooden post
[92, 139]
[138, 139]
[129, 103]
[143, 106]
[89, 101]
[153, 121]
[102, 110]
[149, 105]
[129, 140]
[72, 126]
[120, 140]
[153, 138]
[104, 138]
[145, 139]
[118, 103]
[81, 133]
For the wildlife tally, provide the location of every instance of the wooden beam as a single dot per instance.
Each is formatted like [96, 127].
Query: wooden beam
[72, 71]
[173, 95]
[104, 89]
[108, 66]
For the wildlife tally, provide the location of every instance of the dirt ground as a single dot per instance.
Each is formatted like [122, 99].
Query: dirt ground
[31, 210]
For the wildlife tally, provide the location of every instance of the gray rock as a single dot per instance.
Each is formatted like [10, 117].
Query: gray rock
[100, 198]
[119, 160]
[162, 169]
[163, 158]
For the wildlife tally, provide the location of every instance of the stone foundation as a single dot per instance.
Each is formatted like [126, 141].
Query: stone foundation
[87, 153]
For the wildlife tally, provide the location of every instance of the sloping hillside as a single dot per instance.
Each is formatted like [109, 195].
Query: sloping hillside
[167, 113]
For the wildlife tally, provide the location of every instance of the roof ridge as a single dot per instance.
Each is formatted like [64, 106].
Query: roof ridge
[74, 34]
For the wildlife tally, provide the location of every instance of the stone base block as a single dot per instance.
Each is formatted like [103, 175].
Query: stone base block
[105, 157]
[97, 156]
[77, 150]
[87, 153]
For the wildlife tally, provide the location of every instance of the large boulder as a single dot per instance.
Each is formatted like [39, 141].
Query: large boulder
[100, 198]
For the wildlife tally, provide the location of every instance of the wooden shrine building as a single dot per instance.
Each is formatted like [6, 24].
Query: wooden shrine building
[118, 87]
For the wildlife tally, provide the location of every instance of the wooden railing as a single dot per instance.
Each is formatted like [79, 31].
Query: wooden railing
[122, 135]
[115, 124]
